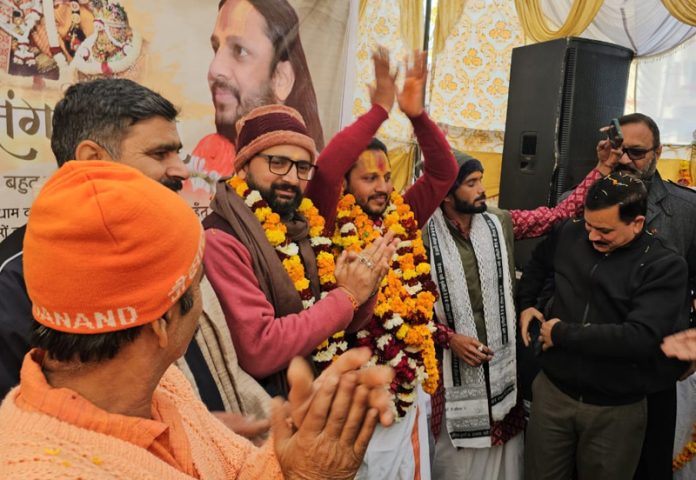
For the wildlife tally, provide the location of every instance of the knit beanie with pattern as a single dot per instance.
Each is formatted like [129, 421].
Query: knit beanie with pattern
[107, 249]
[267, 126]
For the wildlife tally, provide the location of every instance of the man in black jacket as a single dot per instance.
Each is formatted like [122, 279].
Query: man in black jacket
[619, 292]
[670, 215]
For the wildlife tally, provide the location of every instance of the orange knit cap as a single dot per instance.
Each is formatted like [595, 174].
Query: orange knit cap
[267, 126]
[107, 249]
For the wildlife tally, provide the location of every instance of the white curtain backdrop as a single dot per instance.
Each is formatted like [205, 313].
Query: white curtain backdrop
[666, 91]
[645, 26]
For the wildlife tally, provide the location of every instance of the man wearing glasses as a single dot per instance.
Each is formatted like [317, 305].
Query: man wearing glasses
[266, 257]
[671, 213]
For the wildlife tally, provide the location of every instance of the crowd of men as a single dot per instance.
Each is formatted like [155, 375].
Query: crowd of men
[137, 342]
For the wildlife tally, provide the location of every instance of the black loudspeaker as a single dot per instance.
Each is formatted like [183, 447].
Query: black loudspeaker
[561, 93]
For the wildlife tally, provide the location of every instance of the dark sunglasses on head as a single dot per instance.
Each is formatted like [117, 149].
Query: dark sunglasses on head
[281, 165]
[637, 153]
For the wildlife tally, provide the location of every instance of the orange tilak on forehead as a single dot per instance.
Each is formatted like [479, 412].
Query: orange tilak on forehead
[236, 19]
[374, 161]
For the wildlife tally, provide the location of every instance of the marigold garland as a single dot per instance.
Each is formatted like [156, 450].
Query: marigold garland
[400, 333]
[687, 453]
[289, 252]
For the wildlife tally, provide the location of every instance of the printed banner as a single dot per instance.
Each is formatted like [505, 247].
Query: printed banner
[46, 45]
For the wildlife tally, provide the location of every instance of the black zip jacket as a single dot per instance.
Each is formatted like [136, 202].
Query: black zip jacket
[614, 309]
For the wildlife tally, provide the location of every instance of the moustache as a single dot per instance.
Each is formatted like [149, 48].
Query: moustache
[480, 198]
[378, 196]
[286, 186]
[221, 84]
[173, 184]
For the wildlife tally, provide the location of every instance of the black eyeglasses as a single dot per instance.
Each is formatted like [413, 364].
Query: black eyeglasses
[281, 165]
[637, 153]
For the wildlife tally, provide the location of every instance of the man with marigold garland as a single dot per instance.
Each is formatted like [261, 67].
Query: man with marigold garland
[267, 259]
[401, 331]
[471, 246]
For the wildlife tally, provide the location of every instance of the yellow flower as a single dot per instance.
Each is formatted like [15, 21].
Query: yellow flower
[423, 268]
[263, 213]
[301, 284]
[402, 332]
[275, 237]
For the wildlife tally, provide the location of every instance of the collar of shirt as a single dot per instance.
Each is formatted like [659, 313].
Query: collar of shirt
[163, 435]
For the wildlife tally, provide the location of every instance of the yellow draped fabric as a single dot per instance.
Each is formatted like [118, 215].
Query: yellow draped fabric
[682, 10]
[362, 9]
[535, 25]
[411, 22]
[402, 160]
[448, 13]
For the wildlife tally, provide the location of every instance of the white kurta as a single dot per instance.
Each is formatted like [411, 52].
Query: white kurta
[504, 462]
[391, 456]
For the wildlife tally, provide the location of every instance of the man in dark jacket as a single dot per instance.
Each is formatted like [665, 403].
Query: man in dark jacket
[670, 215]
[619, 292]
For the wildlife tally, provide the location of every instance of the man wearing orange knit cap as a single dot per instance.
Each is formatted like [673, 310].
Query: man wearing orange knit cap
[112, 263]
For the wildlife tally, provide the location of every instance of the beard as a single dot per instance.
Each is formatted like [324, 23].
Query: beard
[462, 206]
[226, 125]
[173, 184]
[645, 175]
[375, 212]
[283, 207]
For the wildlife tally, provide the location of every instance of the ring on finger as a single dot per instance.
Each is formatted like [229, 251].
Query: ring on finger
[366, 261]
[480, 348]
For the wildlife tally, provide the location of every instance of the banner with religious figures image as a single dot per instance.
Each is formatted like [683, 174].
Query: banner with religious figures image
[166, 45]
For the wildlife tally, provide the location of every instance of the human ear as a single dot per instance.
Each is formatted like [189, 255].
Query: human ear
[283, 80]
[91, 150]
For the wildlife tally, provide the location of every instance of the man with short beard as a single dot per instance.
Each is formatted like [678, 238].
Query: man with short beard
[113, 119]
[258, 60]
[471, 253]
[264, 255]
[671, 214]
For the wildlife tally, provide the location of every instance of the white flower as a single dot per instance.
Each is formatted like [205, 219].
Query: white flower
[406, 397]
[393, 322]
[413, 289]
[404, 244]
[291, 249]
[363, 334]
[383, 341]
[348, 228]
[397, 359]
[307, 303]
[317, 241]
[252, 198]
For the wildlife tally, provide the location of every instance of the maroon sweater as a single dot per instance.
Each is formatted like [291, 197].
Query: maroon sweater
[424, 196]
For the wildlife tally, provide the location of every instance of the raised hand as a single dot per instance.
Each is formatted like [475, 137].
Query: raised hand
[303, 386]
[324, 430]
[607, 157]
[410, 97]
[384, 90]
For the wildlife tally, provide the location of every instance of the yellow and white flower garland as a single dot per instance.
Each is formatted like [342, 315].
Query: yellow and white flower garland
[289, 252]
[400, 332]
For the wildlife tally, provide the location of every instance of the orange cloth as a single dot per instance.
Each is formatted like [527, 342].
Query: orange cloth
[163, 436]
[218, 154]
[50, 432]
[107, 227]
